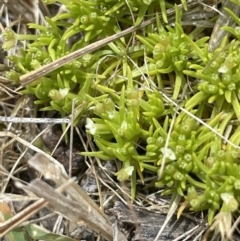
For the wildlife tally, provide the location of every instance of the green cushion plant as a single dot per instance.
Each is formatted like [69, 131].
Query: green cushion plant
[121, 89]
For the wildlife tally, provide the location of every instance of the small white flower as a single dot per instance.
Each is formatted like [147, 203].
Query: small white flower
[111, 114]
[226, 197]
[124, 174]
[168, 153]
[90, 125]
[223, 69]
[129, 170]
[231, 202]
[64, 92]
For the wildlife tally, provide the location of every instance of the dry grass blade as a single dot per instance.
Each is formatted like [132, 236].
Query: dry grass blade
[82, 207]
[27, 10]
[35, 74]
[19, 218]
[223, 20]
[33, 120]
[31, 146]
[171, 212]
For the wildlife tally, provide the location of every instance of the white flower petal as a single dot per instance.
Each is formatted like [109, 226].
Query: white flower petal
[64, 92]
[226, 197]
[129, 170]
[111, 114]
[90, 125]
[168, 153]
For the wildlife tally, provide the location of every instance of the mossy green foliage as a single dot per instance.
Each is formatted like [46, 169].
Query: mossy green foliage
[119, 88]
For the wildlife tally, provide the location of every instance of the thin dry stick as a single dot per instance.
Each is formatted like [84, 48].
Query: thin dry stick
[71, 139]
[19, 218]
[185, 236]
[28, 145]
[233, 228]
[98, 184]
[33, 120]
[171, 212]
[61, 137]
[31, 146]
[35, 74]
